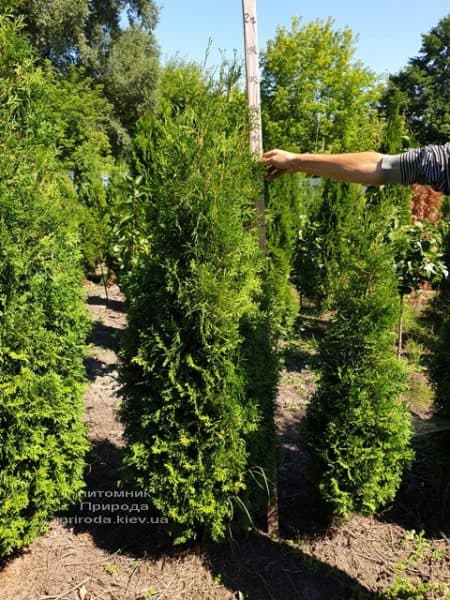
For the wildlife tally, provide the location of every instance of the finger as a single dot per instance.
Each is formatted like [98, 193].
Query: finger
[269, 155]
[271, 170]
[273, 174]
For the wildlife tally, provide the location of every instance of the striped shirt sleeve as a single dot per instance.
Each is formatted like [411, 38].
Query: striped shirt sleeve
[429, 165]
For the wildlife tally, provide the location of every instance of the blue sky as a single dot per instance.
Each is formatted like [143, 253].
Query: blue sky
[389, 31]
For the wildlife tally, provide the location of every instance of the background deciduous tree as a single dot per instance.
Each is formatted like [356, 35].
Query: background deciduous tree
[111, 40]
[315, 96]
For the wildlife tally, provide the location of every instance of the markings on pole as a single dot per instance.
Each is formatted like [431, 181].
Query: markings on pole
[252, 75]
[248, 18]
[254, 100]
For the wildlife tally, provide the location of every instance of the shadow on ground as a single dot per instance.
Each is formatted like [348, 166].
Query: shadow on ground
[105, 336]
[254, 564]
[263, 568]
[423, 500]
[118, 305]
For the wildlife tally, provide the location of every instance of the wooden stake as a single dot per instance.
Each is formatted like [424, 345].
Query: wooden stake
[254, 99]
[256, 148]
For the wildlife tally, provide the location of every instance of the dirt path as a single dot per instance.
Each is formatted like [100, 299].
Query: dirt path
[80, 560]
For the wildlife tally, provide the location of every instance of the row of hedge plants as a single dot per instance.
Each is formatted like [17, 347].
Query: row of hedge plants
[43, 322]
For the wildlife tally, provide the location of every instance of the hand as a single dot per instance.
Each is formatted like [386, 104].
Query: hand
[278, 163]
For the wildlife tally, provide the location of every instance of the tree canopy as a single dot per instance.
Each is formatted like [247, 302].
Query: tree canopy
[425, 85]
[315, 96]
[111, 40]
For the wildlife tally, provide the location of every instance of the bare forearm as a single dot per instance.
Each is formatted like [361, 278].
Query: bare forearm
[358, 167]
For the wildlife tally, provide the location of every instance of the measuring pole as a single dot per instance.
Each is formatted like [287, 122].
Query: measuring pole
[254, 98]
[256, 148]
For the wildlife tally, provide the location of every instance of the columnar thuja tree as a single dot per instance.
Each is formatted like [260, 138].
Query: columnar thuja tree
[441, 359]
[42, 319]
[356, 426]
[199, 371]
[285, 200]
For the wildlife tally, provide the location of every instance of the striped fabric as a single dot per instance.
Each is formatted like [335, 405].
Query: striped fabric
[429, 165]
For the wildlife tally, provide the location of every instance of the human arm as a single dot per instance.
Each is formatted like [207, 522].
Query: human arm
[355, 167]
[427, 165]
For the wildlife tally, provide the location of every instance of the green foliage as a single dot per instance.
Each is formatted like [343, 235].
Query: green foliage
[420, 590]
[76, 120]
[440, 368]
[284, 207]
[79, 32]
[424, 85]
[314, 96]
[356, 425]
[73, 118]
[127, 237]
[199, 370]
[340, 212]
[394, 133]
[131, 75]
[42, 318]
[334, 211]
[417, 255]
[309, 264]
[91, 35]
[55, 28]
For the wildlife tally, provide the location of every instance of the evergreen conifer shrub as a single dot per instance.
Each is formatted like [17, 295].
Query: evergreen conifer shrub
[43, 323]
[285, 201]
[440, 370]
[356, 426]
[199, 371]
